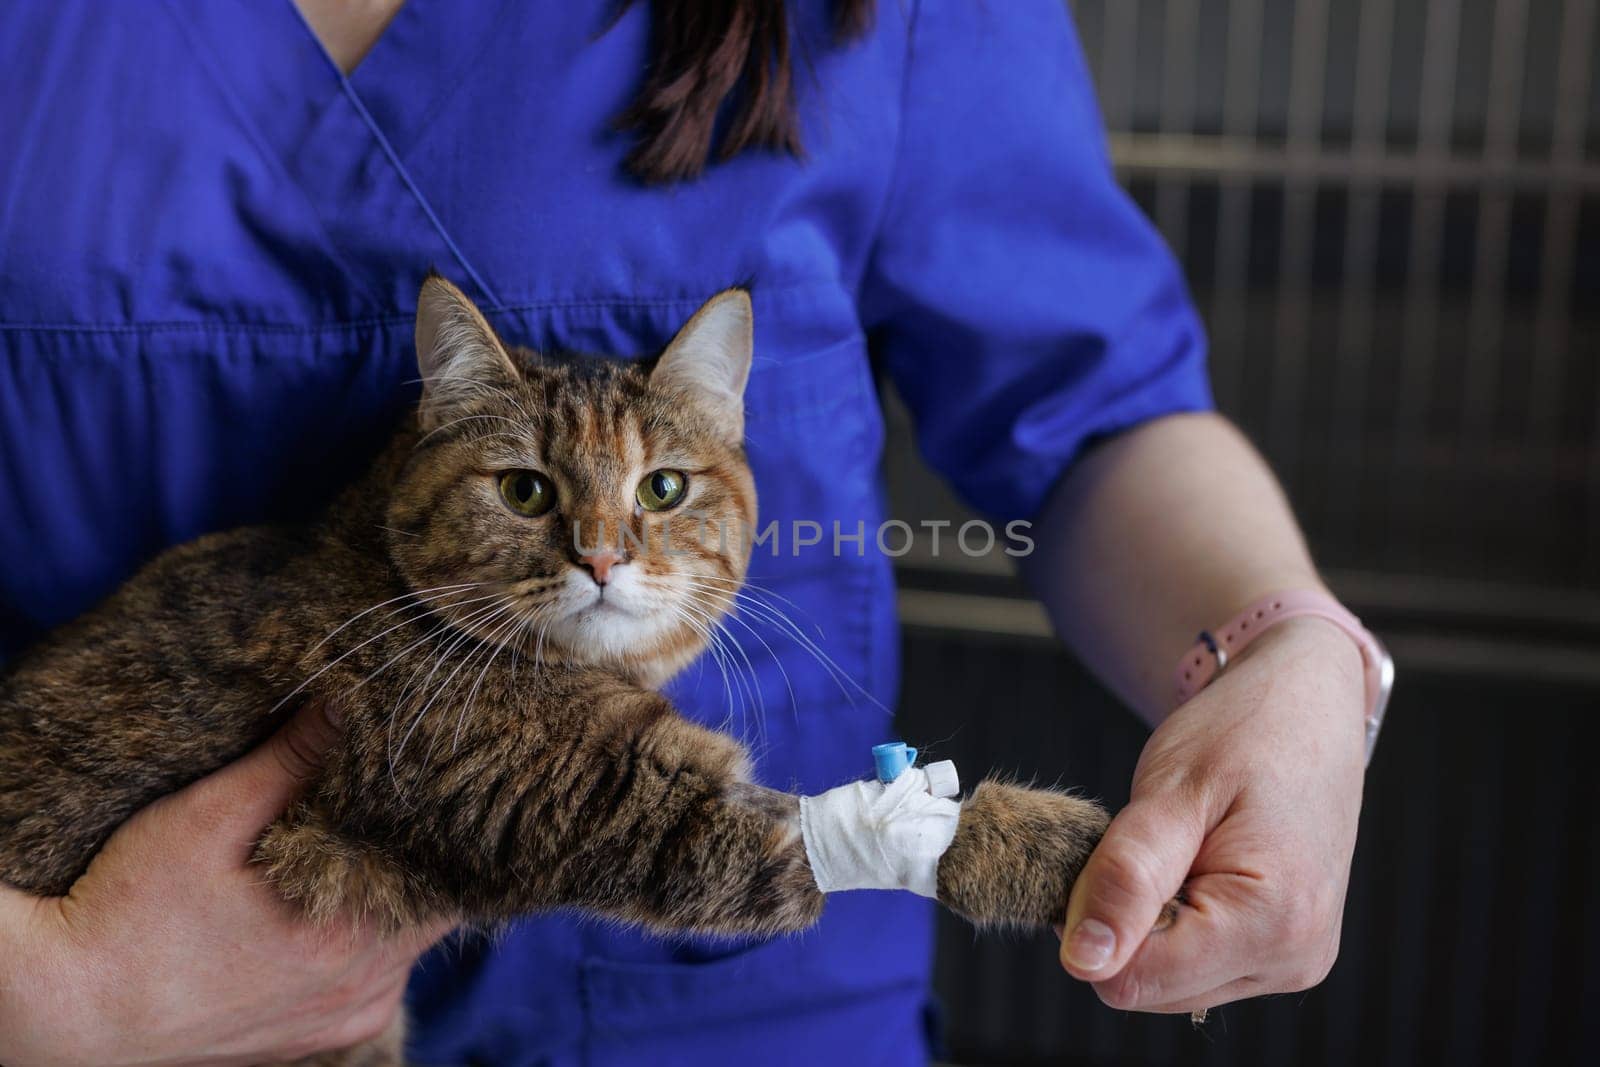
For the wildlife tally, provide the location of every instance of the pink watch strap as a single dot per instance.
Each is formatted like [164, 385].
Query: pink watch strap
[1211, 653]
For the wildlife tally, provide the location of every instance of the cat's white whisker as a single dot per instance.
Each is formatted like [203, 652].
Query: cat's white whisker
[748, 691]
[441, 630]
[487, 646]
[396, 532]
[544, 629]
[714, 650]
[448, 652]
[467, 418]
[750, 587]
[443, 623]
[692, 603]
[420, 595]
[464, 632]
[516, 621]
[776, 618]
[741, 683]
[712, 626]
[520, 639]
[334, 663]
[794, 701]
[743, 669]
[435, 633]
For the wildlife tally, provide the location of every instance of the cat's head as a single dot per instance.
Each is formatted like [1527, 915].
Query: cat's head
[587, 511]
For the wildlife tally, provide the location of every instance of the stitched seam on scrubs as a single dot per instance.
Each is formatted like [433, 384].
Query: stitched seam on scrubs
[416, 193]
[354, 99]
[241, 115]
[385, 320]
[348, 91]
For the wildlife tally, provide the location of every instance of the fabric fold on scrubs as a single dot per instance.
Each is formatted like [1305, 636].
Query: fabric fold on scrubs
[1020, 301]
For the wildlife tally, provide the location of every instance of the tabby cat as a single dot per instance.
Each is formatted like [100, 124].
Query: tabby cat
[497, 658]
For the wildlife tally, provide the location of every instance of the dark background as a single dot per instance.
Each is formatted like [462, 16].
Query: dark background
[1389, 211]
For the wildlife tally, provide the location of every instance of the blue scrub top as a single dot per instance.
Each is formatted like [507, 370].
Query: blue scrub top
[210, 247]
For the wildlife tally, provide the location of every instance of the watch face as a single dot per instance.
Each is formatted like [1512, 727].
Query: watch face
[1380, 703]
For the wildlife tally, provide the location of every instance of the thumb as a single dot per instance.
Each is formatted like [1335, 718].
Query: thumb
[1138, 866]
[253, 790]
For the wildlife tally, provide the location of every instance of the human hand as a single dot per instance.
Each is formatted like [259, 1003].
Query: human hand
[171, 950]
[1246, 799]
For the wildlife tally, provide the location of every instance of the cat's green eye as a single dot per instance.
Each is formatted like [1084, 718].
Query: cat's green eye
[527, 492]
[661, 489]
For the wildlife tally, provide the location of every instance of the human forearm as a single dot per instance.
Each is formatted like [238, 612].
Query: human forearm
[1246, 799]
[1155, 535]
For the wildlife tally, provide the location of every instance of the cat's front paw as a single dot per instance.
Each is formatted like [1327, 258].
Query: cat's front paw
[324, 875]
[1016, 853]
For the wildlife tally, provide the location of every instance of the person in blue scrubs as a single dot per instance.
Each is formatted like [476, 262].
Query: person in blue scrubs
[211, 238]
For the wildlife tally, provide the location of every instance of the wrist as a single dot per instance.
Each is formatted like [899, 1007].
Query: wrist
[1316, 648]
[1262, 623]
[1311, 639]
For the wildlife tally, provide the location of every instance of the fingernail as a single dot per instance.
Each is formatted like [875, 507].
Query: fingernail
[333, 713]
[1091, 945]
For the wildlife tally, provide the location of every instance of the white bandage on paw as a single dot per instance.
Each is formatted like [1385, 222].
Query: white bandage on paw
[867, 835]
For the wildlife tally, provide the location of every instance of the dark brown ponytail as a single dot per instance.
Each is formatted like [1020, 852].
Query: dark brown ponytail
[709, 57]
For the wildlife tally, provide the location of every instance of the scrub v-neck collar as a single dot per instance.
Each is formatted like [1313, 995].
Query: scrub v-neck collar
[335, 137]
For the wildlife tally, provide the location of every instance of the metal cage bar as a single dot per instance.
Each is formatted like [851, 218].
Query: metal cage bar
[1419, 348]
[1419, 363]
[1307, 73]
[1240, 107]
[1180, 57]
[1486, 332]
[1354, 338]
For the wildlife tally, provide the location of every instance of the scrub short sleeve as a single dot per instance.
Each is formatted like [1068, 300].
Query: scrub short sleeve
[1019, 300]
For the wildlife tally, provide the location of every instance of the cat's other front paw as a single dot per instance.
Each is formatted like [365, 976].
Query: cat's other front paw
[325, 876]
[1016, 853]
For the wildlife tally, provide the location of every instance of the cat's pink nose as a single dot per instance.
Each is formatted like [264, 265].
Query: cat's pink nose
[600, 564]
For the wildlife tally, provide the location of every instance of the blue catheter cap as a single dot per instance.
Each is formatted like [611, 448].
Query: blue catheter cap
[891, 758]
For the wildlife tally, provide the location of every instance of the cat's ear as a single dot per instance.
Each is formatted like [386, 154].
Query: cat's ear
[708, 362]
[457, 352]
